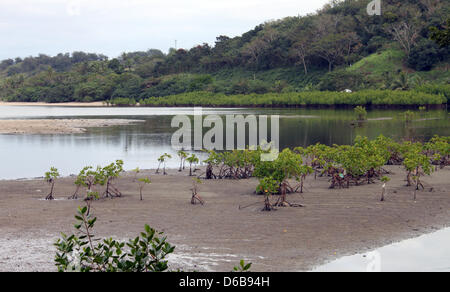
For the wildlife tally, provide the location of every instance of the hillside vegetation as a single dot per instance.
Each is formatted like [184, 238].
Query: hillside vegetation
[339, 47]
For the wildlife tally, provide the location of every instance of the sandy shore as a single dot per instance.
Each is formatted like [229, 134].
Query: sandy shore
[66, 104]
[214, 237]
[57, 126]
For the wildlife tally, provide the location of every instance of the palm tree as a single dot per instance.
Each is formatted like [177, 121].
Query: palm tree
[402, 82]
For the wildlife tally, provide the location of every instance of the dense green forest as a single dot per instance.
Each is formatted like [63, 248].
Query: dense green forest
[339, 47]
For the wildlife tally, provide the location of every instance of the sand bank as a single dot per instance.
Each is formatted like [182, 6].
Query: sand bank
[57, 126]
[66, 104]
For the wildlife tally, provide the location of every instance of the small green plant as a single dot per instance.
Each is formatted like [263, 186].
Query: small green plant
[142, 183]
[416, 164]
[50, 178]
[162, 160]
[136, 171]
[109, 174]
[195, 197]
[243, 267]
[183, 156]
[88, 177]
[408, 116]
[268, 186]
[85, 253]
[192, 160]
[361, 112]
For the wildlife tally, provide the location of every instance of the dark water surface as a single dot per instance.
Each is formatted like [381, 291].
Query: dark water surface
[25, 156]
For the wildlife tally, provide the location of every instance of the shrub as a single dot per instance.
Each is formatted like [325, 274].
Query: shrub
[85, 253]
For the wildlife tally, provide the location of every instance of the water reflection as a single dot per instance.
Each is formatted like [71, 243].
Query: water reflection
[428, 253]
[141, 144]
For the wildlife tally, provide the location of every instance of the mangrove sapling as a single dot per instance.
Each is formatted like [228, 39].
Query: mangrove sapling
[192, 160]
[183, 156]
[142, 183]
[136, 173]
[361, 112]
[439, 150]
[237, 164]
[384, 180]
[50, 178]
[79, 182]
[88, 177]
[268, 186]
[195, 197]
[408, 116]
[416, 164]
[162, 160]
[110, 173]
[287, 166]
[305, 170]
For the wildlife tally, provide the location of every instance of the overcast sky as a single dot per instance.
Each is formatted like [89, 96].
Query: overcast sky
[30, 27]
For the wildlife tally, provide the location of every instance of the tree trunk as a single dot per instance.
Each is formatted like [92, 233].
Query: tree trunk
[75, 195]
[304, 66]
[157, 170]
[50, 195]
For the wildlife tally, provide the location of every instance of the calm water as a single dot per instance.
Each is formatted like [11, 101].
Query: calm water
[428, 253]
[25, 156]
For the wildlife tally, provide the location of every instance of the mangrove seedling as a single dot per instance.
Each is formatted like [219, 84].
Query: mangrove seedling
[195, 197]
[268, 186]
[384, 180]
[136, 171]
[361, 112]
[408, 116]
[88, 177]
[162, 160]
[142, 183]
[182, 155]
[192, 160]
[243, 267]
[416, 164]
[110, 173]
[50, 178]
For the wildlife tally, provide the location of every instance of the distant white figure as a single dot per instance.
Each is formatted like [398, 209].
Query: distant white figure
[374, 8]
